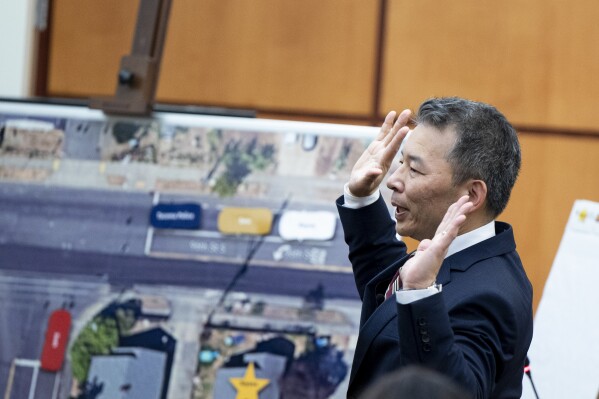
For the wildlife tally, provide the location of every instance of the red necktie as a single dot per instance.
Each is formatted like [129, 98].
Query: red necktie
[394, 285]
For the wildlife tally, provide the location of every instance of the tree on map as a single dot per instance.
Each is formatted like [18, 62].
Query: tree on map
[97, 338]
[239, 160]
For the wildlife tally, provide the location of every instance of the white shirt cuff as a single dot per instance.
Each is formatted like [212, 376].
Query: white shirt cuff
[352, 202]
[409, 296]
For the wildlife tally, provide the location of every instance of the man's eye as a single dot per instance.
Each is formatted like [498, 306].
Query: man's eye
[414, 170]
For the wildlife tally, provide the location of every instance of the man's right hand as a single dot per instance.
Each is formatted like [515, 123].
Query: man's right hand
[372, 167]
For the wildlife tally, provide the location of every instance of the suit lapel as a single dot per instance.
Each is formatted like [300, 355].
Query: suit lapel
[385, 314]
[369, 303]
[372, 325]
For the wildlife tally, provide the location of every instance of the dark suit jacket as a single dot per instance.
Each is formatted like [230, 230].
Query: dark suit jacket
[476, 331]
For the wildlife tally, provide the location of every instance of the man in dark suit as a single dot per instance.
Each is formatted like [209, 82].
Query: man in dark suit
[461, 303]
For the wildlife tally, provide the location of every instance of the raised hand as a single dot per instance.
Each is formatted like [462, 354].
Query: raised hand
[372, 166]
[421, 270]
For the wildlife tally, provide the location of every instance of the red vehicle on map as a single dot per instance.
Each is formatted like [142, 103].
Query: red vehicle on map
[57, 337]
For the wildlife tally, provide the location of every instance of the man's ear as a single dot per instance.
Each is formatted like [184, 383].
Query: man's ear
[477, 191]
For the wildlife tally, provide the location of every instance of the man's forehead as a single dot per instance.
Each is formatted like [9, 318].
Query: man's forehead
[427, 143]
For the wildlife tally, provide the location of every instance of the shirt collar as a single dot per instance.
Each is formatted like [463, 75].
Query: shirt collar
[470, 238]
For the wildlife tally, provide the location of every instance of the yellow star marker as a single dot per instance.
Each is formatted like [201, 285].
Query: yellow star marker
[249, 386]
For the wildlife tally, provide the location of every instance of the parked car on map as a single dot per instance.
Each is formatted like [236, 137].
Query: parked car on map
[55, 343]
[252, 221]
[307, 225]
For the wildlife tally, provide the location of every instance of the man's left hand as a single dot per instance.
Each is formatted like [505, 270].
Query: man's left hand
[421, 270]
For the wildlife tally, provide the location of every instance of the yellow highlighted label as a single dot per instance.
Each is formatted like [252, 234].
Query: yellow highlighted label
[253, 221]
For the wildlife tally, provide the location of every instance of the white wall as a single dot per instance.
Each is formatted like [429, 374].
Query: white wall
[16, 47]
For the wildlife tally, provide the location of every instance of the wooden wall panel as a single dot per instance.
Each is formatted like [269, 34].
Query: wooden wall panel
[535, 60]
[310, 56]
[556, 171]
[88, 39]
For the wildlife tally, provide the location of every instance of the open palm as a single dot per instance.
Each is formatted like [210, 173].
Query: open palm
[421, 270]
[372, 166]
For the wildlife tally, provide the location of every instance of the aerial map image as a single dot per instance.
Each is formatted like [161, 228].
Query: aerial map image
[177, 256]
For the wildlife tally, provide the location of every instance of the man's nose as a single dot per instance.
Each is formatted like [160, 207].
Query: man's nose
[395, 180]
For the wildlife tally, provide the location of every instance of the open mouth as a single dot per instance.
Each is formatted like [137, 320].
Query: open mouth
[400, 212]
